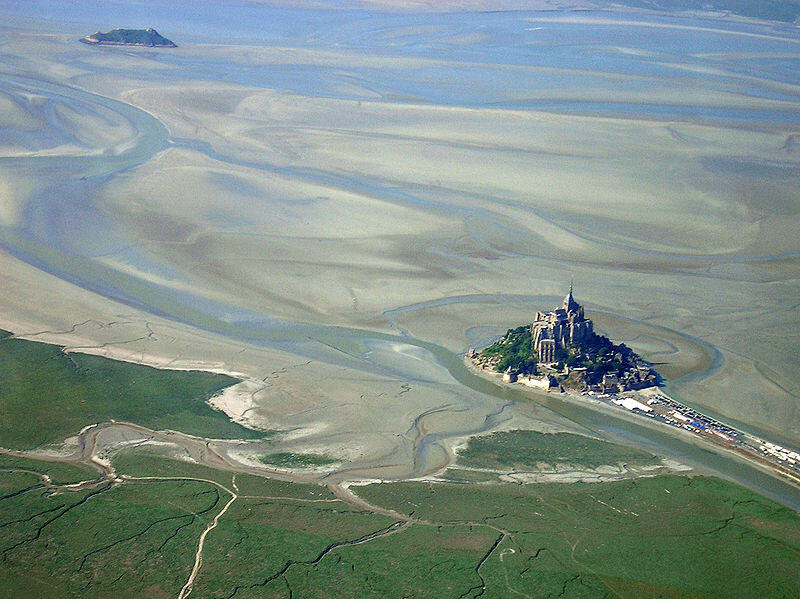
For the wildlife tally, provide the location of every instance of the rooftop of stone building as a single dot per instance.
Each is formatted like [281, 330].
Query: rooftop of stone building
[569, 301]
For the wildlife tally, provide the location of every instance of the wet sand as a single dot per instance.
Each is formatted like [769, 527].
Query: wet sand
[336, 214]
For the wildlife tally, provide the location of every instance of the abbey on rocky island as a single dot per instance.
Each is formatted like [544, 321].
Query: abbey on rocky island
[553, 330]
[561, 348]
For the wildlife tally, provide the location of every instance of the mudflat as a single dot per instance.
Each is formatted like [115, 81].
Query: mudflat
[332, 213]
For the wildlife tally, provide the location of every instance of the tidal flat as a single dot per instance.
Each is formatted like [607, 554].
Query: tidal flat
[334, 204]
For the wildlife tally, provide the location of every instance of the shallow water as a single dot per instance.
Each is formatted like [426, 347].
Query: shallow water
[737, 76]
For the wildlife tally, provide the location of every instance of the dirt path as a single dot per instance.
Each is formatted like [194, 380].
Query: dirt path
[342, 492]
[198, 556]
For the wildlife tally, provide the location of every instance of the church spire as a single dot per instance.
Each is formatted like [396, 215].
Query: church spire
[570, 305]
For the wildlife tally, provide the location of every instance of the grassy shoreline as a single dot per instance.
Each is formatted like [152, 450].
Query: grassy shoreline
[645, 538]
[48, 394]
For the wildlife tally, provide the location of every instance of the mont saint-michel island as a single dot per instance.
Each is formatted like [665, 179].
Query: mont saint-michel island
[560, 350]
[147, 38]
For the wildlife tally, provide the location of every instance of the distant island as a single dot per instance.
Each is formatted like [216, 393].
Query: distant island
[561, 349]
[149, 38]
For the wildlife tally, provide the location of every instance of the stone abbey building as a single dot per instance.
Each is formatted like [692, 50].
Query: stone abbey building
[553, 330]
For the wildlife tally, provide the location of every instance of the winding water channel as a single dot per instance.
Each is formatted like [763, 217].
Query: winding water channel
[41, 239]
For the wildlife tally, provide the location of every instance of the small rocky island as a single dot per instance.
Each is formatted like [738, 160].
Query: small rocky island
[148, 38]
[561, 349]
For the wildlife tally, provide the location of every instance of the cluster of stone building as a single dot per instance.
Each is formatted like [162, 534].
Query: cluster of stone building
[567, 328]
[557, 329]
[635, 373]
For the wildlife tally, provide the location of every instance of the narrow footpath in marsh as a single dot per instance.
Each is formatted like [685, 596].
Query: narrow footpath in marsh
[198, 557]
